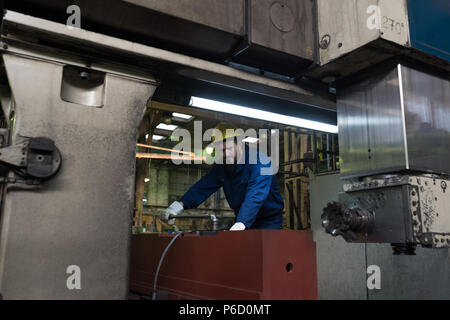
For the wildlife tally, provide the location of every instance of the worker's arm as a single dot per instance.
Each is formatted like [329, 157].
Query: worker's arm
[258, 189]
[201, 191]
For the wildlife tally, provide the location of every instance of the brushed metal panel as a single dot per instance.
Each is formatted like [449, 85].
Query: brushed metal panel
[385, 123]
[427, 120]
[370, 124]
[406, 125]
[82, 216]
[353, 134]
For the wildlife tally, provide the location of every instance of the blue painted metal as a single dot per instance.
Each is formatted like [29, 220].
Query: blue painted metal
[430, 26]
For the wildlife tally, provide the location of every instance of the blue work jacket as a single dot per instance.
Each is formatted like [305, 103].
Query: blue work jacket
[254, 197]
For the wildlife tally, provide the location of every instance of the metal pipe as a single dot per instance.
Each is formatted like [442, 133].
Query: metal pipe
[185, 216]
[165, 207]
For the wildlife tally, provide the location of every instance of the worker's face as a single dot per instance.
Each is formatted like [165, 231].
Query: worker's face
[231, 151]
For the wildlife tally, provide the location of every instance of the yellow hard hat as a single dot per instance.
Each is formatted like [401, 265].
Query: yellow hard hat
[228, 131]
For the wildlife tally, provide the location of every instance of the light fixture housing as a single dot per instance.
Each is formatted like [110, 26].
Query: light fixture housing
[224, 107]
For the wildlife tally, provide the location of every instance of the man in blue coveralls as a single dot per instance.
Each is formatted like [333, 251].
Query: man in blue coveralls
[252, 194]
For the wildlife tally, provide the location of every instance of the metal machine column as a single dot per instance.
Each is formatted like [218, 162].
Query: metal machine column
[82, 217]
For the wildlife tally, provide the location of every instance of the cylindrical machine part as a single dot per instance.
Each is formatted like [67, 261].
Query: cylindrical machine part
[338, 219]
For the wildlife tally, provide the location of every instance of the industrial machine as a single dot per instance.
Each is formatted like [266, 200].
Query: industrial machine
[72, 100]
[73, 96]
[393, 123]
[394, 137]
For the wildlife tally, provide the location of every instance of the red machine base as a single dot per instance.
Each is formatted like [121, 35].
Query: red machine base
[252, 264]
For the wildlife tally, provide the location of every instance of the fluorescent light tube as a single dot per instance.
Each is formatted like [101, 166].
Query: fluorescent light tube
[155, 137]
[261, 115]
[168, 127]
[182, 116]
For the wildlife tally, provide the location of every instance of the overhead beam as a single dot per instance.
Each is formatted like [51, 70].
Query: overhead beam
[86, 42]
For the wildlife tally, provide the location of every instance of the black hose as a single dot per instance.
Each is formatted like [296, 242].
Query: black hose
[161, 261]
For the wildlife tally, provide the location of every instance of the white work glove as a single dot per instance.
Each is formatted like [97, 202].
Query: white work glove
[238, 226]
[174, 209]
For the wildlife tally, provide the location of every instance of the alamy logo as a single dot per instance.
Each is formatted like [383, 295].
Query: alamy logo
[74, 280]
[374, 278]
[74, 20]
[374, 20]
[226, 150]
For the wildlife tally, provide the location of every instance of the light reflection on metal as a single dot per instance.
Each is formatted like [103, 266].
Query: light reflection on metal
[163, 149]
[168, 157]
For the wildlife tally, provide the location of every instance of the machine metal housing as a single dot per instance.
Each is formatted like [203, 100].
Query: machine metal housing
[406, 208]
[274, 36]
[81, 218]
[399, 120]
[394, 133]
